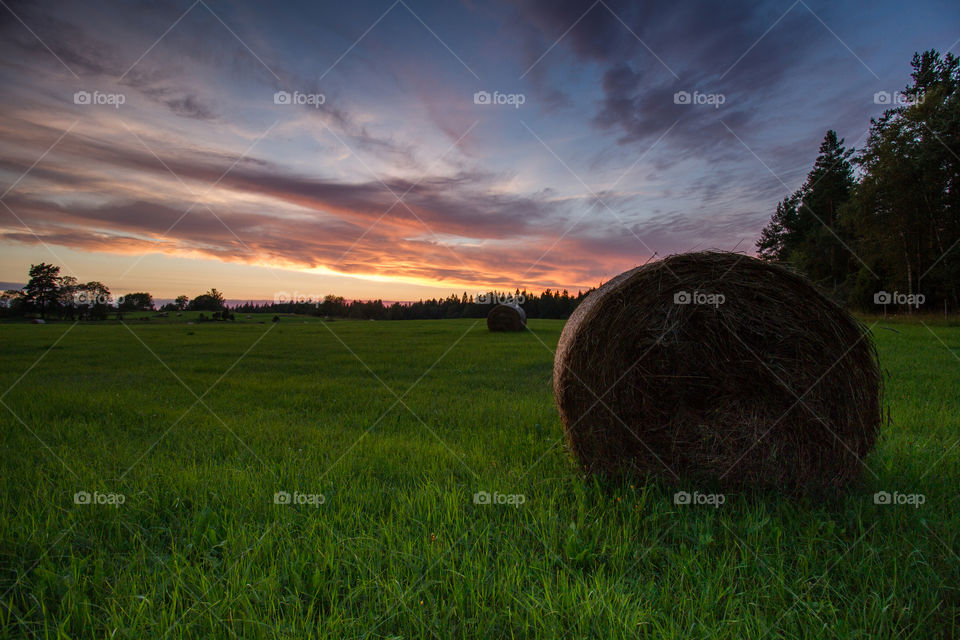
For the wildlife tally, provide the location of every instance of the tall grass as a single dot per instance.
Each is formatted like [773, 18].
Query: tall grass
[397, 425]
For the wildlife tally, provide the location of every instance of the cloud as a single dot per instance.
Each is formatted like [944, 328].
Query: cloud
[605, 90]
[448, 226]
[232, 234]
[646, 52]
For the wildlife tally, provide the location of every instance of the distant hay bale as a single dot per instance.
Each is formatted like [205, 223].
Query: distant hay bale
[507, 317]
[722, 368]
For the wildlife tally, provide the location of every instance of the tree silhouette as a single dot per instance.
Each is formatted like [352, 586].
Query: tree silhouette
[44, 287]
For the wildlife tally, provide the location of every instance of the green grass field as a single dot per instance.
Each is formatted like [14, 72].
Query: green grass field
[382, 432]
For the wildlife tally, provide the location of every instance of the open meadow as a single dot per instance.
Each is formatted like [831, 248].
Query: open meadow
[357, 479]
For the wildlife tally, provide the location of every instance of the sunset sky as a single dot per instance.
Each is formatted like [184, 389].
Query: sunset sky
[390, 180]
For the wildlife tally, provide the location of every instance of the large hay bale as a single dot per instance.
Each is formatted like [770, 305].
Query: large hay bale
[771, 385]
[506, 317]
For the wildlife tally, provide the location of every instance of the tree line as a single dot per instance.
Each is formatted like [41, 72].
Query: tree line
[50, 295]
[882, 224]
[548, 304]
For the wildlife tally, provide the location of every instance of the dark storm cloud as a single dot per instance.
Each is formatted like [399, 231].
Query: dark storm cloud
[647, 52]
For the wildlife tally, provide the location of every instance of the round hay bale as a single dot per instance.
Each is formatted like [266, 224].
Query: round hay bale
[722, 368]
[507, 317]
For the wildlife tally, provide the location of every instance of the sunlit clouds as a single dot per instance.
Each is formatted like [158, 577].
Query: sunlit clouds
[342, 147]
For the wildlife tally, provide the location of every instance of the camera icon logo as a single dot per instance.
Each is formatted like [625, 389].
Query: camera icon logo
[681, 97]
[681, 297]
[681, 497]
[81, 97]
[882, 297]
[281, 97]
[881, 497]
[482, 97]
[882, 97]
[281, 497]
[81, 497]
[481, 497]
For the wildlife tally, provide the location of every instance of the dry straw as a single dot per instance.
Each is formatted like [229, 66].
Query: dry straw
[720, 367]
[506, 317]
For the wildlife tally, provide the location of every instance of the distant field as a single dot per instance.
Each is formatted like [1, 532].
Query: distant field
[383, 432]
